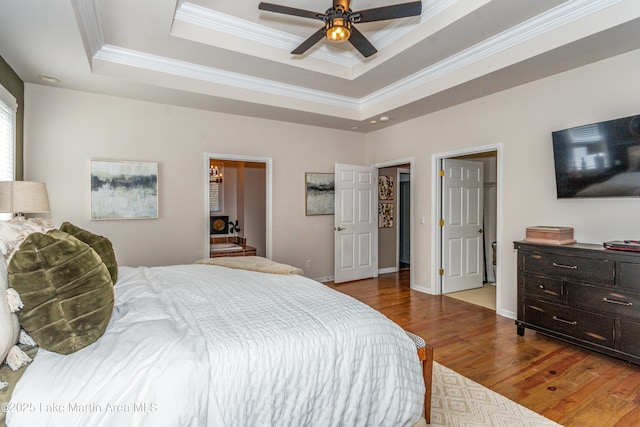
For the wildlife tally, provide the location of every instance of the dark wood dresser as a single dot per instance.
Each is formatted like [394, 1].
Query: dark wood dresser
[583, 294]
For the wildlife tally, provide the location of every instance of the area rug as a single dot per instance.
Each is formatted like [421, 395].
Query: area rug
[459, 402]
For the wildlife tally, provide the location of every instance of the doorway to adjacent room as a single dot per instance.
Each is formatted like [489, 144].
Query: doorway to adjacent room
[470, 251]
[238, 189]
[394, 230]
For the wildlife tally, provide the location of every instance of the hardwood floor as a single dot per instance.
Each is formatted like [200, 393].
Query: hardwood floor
[569, 385]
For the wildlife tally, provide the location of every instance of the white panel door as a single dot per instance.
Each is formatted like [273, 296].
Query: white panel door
[462, 247]
[356, 223]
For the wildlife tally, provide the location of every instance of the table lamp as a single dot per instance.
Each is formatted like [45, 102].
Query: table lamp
[19, 197]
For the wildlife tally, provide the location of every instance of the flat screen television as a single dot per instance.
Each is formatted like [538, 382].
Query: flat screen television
[599, 159]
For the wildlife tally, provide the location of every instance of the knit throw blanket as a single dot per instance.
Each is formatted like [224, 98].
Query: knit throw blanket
[252, 263]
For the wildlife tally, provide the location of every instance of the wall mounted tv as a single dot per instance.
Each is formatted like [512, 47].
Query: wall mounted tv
[599, 159]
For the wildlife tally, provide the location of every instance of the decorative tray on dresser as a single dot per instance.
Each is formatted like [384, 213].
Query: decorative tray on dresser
[583, 294]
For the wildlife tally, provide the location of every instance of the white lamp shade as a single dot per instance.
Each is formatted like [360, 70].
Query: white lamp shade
[23, 197]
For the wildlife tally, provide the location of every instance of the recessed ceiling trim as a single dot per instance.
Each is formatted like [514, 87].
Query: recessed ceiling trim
[399, 28]
[567, 12]
[204, 17]
[433, 19]
[88, 18]
[201, 16]
[532, 28]
[188, 70]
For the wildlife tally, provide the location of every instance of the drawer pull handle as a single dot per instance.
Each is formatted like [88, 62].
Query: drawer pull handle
[540, 286]
[612, 301]
[570, 267]
[570, 322]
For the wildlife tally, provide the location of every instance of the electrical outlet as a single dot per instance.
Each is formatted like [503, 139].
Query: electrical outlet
[308, 263]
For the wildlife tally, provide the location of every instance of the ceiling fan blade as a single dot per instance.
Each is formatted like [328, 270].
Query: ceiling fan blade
[390, 12]
[315, 38]
[270, 7]
[360, 42]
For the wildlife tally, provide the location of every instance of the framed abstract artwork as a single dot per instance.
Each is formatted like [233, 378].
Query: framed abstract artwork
[385, 187]
[124, 190]
[320, 193]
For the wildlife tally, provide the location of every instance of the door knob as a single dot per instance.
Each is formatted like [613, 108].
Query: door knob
[480, 231]
[339, 229]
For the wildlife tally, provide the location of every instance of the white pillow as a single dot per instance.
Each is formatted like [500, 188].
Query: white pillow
[9, 325]
[12, 234]
[14, 231]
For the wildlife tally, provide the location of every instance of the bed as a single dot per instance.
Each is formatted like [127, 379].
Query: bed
[198, 345]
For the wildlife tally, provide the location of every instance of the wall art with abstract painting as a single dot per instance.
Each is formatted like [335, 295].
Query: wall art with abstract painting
[124, 190]
[320, 192]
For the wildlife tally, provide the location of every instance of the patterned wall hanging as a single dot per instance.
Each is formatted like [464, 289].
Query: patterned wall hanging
[385, 215]
[385, 187]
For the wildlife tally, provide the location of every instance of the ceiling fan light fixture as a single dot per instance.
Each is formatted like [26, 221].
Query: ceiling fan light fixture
[339, 22]
[338, 30]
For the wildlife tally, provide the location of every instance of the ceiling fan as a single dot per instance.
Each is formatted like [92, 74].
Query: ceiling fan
[339, 19]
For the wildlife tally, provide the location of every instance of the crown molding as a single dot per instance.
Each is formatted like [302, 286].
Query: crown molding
[204, 17]
[142, 60]
[87, 13]
[398, 29]
[90, 24]
[207, 18]
[194, 14]
[563, 14]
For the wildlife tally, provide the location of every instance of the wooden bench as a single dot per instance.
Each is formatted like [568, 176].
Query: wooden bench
[425, 354]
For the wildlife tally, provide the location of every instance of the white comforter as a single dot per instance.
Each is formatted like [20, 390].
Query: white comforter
[199, 345]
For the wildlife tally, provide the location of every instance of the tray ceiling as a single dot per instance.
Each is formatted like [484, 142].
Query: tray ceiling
[231, 57]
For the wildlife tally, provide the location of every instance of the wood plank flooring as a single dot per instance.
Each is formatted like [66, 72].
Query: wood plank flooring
[569, 385]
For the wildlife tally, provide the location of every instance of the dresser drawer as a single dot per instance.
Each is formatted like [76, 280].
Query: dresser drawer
[569, 321]
[628, 340]
[543, 287]
[610, 301]
[579, 269]
[628, 275]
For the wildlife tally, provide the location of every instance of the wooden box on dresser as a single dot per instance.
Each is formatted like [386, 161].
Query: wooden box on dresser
[583, 294]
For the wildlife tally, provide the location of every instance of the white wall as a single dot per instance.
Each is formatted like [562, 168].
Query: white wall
[521, 119]
[65, 129]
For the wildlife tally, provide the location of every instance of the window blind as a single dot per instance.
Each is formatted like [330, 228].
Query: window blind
[8, 107]
[215, 197]
[215, 188]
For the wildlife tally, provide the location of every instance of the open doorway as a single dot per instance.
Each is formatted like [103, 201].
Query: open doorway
[394, 222]
[238, 204]
[483, 243]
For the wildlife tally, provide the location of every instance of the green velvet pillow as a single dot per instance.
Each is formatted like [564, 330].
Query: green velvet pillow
[100, 244]
[66, 290]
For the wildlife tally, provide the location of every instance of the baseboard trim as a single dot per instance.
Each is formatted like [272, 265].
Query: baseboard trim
[422, 289]
[387, 270]
[508, 314]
